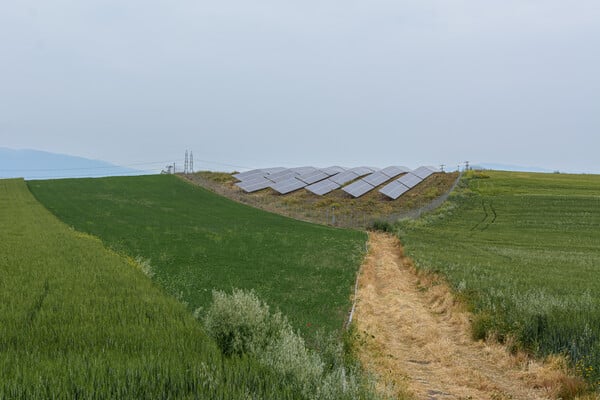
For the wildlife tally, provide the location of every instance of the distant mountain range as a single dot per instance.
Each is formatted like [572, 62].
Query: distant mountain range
[35, 164]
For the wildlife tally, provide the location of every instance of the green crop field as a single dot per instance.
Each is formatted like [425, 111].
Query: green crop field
[80, 321]
[196, 241]
[524, 250]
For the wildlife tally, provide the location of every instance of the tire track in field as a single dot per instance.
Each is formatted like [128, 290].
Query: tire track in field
[414, 335]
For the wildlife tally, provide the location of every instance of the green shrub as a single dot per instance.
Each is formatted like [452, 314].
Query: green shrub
[242, 324]
[382, 226]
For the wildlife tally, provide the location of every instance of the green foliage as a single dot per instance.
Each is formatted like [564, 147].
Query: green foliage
[242, 324]
[524, 249]
[197, 241]
[382, 226]
[80, 321]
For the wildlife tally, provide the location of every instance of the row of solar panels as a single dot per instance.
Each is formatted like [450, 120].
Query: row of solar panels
[321, 181]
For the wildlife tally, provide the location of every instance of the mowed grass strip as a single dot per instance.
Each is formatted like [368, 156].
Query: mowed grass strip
[524, 249]
[197, 241]
[79, 321]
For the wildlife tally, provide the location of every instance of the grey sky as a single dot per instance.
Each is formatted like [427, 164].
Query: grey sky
[269, 83]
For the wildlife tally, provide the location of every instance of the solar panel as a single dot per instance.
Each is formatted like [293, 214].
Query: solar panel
[253, 185]
[242, 176]
[360, 171]
[376, 178]
[333, 170]
[394, 170]
[323, 187]
[394, 190]
[424, 172]
[358, 188]
[409, 180]
[344, 177]
[314, 177]
[274, 170]
[288, 185]
[303, 170]
[254, 173]
[281, 176]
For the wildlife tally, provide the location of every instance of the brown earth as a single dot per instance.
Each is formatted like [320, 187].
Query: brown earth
[416, 336]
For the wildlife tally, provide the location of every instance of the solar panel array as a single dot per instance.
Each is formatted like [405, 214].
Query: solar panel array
[407, 181]
[283, 180]
[321, 181]
[374, 179]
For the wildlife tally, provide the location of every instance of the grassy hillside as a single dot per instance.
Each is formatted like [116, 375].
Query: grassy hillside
[336, 208]
[524, 249]
[195, 241]
[79, 321]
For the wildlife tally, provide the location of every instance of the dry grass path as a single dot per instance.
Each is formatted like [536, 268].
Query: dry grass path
[416, 336]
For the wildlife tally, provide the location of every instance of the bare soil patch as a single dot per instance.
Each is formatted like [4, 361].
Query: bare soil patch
[417, 336]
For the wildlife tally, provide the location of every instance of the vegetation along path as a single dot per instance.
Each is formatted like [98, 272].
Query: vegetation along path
[415, 335]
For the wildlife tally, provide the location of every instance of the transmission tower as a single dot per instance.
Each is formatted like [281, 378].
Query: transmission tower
[186, 163]
[191, 162]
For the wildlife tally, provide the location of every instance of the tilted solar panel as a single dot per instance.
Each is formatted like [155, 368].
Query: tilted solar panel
[409, 180]
[313, 177]
[424, 172]
[242, 176]
[360, 171]
[303, 170]
[358, 188]
[376, 178]
[333, 170]
[395, 170]
[274, 170]
[344, 177]
[394, 190]
[253, 185]
[323, 187]
[281, 176]
[288, 185]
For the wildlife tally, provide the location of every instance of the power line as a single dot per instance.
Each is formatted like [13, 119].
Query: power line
[85, 168]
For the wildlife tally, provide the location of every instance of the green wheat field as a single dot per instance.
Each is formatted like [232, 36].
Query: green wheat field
[524, 250]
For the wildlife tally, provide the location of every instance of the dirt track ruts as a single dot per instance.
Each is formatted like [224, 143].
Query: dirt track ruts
[416, 336]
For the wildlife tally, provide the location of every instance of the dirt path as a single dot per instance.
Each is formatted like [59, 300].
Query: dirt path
[417, 337]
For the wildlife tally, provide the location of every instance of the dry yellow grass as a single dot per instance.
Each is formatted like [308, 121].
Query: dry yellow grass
[417, 337]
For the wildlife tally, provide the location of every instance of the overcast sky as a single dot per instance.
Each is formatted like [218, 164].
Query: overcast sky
[311, 82]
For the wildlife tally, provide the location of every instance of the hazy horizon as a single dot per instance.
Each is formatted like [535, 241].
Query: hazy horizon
[246, 85]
